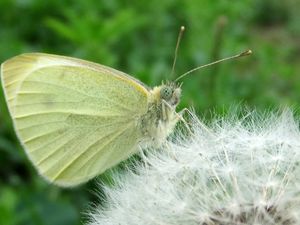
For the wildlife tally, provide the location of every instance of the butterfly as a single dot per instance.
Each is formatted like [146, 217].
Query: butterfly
[75, 119]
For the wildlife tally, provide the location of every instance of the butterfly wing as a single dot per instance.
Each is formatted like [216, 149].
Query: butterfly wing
[74, 118]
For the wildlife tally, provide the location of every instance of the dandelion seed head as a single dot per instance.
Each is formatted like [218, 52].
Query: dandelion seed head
[233, 172]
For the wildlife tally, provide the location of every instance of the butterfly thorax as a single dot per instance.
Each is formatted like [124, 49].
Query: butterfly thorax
[161, 117]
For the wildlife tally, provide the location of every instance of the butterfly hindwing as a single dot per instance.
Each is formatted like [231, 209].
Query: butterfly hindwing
[75, 118]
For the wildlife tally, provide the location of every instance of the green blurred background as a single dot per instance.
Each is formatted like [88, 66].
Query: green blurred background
[139, 37]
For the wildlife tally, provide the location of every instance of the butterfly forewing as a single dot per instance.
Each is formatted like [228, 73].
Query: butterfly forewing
[75, 119]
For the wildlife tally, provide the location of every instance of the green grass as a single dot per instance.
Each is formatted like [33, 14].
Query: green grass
[139, 38]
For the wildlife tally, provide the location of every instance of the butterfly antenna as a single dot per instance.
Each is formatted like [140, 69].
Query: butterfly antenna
[244, 53]
[182, 28]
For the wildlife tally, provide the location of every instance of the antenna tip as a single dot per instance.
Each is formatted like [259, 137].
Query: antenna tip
[182, 28]
[245, 53]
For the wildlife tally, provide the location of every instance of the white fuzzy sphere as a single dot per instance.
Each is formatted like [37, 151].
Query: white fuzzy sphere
[237, 171]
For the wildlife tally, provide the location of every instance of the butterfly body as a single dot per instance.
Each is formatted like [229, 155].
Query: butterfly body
[161, 117]
[75, 119]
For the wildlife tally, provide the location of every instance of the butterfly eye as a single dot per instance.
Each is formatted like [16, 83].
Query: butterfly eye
[166, 93]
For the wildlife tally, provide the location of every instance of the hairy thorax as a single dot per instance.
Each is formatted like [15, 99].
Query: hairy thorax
[161, 117]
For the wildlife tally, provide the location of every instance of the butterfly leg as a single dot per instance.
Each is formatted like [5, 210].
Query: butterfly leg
[180, 117]
[166, 108]
[203, 126]
[187, 125]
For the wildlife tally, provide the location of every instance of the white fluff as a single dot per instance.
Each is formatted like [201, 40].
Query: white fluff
[237, 171]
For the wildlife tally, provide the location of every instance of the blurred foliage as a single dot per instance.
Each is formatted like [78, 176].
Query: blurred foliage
[139, 37]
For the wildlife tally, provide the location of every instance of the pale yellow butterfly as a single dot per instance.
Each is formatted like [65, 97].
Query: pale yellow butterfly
[75, 119]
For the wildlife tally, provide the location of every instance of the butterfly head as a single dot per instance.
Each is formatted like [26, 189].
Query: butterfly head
[170, 93]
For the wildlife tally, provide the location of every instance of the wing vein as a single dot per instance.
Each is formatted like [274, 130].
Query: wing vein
[41, 124]
[57, 149]
[39, 136]
[109, 141]
[64, 112]
[79, 92]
